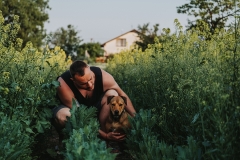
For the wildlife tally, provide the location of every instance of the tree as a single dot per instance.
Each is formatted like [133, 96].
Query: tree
[215, 13]
[32, 15]
[93, 49]
[67, 39]
[147, 35]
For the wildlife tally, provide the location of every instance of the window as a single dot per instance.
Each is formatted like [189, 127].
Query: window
[121, 42]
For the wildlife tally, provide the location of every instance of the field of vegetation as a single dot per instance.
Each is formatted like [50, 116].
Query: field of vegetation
[185, 88]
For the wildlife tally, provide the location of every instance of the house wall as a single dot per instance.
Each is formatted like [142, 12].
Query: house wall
[112, 48]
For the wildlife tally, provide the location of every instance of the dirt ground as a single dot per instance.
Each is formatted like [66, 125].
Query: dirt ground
[46, 147]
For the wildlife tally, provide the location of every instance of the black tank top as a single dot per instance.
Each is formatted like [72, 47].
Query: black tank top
[97, 91]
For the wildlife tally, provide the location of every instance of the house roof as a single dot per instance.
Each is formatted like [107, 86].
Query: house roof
[133, 30]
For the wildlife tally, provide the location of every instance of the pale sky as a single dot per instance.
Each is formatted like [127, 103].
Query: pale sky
[102, 20]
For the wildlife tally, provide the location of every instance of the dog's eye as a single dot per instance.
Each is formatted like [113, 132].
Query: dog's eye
[113, 104]
[120, 105]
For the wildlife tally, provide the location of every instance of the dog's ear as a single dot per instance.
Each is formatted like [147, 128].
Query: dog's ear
[109, 99]
[124, 99]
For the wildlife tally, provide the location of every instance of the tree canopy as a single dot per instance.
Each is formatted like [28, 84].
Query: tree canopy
[93, 49]
[147, 35]
[215, 13]
[32, 15]
[67, 39]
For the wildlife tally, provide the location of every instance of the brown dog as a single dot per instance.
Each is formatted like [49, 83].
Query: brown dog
[118, 118]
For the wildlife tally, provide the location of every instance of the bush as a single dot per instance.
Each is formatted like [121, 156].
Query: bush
[26, 75]
[15, 141]
[27, 87]
[82, 140]
[191, 85]
[142, 139]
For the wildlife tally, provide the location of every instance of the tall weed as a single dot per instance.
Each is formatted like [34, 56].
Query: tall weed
[82, 140]
[187, 82]
[27, 88]
[143, 143]
[27, 84]
[14, 142]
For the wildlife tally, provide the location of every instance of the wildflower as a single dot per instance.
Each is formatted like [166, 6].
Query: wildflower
[6, 91]
[18, 89]
[6, 75]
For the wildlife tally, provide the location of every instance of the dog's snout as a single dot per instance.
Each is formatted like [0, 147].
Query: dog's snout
[116, 112]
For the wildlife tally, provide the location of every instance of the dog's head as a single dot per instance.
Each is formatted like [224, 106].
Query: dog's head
[117, 105]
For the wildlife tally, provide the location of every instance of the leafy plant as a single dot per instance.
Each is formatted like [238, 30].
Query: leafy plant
[82, 131]
[80, 117]
[32, 16]
[191, 151]
[84, 145]
[190, 85]
[26, 75]
[27, 86]
[15, 140]
[143, 139]
[147, 36]
[67, 39]
[93, 49]
[216, 13]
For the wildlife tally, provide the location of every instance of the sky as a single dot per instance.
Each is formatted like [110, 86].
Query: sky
[103, 20]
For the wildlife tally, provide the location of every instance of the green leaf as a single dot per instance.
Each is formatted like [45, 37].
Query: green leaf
[195, 118]
[55, 84]
[29, 130]
[39, 128]
[27, 122]
[48, 63]
[43, 122]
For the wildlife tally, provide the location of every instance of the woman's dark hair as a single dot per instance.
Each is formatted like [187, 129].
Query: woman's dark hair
[78, 67]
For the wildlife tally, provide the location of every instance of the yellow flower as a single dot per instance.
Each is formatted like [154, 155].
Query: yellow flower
[6, 75]
[6, 91]
[18, 89]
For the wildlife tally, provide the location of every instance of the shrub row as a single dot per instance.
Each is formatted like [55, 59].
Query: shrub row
[27, 87]
[191, 86]
[81, 134]
[184, 87]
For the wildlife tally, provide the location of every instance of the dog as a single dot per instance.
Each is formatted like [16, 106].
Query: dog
[118, 118]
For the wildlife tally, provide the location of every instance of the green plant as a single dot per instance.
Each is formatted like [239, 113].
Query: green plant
[190, 151]
[141, 139]
[84, 145]
[27, 86]
[82, 131]
[15, 140]
[80, 117]
[32, 16]
[190, 84]
[27, 74]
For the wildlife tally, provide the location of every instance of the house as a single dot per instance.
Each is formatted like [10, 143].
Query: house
[122, 42]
